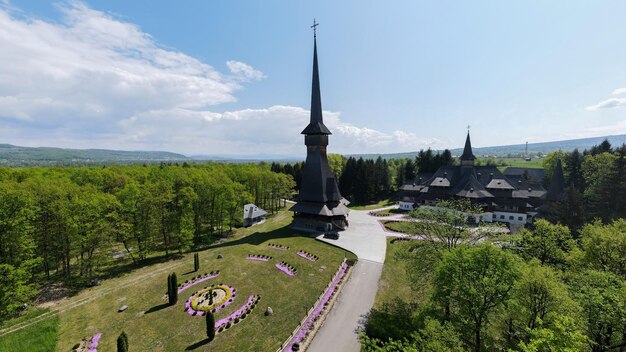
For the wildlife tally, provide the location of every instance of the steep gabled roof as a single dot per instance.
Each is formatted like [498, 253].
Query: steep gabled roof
[316, 126]
[467, 150]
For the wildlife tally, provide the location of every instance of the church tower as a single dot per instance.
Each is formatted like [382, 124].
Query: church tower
[320, 206]
[467, 158]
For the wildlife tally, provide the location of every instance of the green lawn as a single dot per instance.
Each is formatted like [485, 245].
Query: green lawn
[394, 284]
[400, 226]
[40, 337]
[388, 212]
[381, 204]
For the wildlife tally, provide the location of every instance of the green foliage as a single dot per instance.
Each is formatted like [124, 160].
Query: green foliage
[563, 336]
[547, 242]
[600, 181]
[433, 337]
[210, 326]
[448, 223]
[604, 247]
[538, 299]
[122, 342]
[365, 180]
[15, 289]
[602, 297]
[470, 284]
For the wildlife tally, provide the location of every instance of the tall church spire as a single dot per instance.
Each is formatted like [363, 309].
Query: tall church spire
[467, 151]
[316, 126]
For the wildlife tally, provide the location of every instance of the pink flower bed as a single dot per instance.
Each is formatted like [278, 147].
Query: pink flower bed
[306, 326]
[261, 258]
[93, 343]
[189, 309]
[182, 287]
[286, 268]
[250, 304]
[308, 256]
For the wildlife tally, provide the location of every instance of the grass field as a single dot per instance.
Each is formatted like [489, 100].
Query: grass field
[381, 204]
[388, 212]
[503, 163]
[151, 325]
[40, 337]
[400, 226]
[394, 284]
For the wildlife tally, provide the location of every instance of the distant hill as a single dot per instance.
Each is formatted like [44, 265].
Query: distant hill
[15, 155]
[517, 150]
[11, 155]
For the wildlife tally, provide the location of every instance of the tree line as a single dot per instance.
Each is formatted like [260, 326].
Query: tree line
[365, 181]
[595, 185]
[71, 224]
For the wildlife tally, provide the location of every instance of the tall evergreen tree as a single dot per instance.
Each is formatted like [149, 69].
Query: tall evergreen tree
[122, 342]
[210, 326]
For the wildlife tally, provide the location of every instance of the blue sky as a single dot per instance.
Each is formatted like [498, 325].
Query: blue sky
[233, 77]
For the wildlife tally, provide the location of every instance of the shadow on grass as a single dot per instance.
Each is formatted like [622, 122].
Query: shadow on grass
[197, 345]
[157, 308]
[260, 237]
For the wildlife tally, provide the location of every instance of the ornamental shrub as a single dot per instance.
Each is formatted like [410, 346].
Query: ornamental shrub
[122, 342]
[210, 326]
[173, 294]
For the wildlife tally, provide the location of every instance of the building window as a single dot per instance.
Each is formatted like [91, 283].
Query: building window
[501, 216]
[511, 217]
[520, 218]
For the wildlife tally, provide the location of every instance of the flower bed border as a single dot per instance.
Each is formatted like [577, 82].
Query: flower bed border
[278, 246]
[259, 257]
[308, 256]
[238, 315]
[301, 333]
[198, 312]
[198, 279]
[286, 268]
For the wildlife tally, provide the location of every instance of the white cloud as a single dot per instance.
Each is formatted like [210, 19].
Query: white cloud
[94, 81]
[611, 102]
[274, 130]
[244, 71]
[92, 66]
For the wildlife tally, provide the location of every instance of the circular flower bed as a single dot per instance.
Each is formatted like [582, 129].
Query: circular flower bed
[210, 299]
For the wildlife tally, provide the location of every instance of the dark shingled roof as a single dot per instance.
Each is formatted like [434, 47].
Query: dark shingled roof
[316, 126]
[467, 150]
[534, 174]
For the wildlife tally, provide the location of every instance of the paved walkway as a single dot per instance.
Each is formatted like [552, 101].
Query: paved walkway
[364, 237]
[367, 239]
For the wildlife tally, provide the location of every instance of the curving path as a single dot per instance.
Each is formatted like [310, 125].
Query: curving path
[368, 240]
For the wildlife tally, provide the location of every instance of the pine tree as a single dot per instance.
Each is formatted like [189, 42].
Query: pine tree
[210, 326]
[122, 342]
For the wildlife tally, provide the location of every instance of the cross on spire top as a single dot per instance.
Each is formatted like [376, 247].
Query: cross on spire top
[314, 26]
[468, 128]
